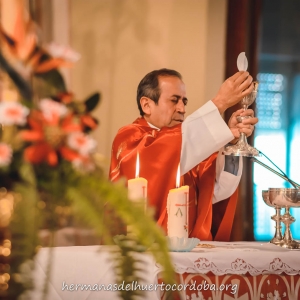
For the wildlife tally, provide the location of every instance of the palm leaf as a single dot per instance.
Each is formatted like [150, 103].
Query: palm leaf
[22, 85]
[49, 84]
[92, 102]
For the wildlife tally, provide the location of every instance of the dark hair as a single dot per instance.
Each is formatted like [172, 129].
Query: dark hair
[149, 86]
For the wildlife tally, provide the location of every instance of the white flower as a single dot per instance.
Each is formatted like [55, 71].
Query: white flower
[13, 113]
[82, 143]
[5, 154]
[83, 165]
[60, 51]
[51, 109]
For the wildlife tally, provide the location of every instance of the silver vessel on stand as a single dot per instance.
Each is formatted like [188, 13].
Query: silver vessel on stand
[283, 198]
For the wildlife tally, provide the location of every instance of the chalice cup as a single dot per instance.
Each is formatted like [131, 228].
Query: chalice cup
[278, 238]
[242, 148]
[285, 198]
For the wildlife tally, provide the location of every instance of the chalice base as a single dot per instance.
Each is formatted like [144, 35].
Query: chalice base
[241, 149]
[276, 241]
[291, 245]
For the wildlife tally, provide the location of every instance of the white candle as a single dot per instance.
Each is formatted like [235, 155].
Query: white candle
[137, 187]
[178, 210]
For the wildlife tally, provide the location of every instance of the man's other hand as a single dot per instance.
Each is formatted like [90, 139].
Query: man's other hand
[247, 125]
[233, 90]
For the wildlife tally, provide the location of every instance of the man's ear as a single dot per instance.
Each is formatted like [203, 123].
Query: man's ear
[146, 105]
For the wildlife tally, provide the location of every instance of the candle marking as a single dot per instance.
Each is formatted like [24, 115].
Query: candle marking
[179, 211]
[177, 208]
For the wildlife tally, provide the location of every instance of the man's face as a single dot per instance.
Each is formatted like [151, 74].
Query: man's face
[170, 108]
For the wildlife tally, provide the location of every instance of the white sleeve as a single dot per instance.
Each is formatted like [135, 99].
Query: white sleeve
[226, 183]
[203, 133]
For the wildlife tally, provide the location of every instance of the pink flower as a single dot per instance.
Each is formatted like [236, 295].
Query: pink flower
[13, 113]
[82, 143]
[5, 154]
[52, 110]
[64, 52]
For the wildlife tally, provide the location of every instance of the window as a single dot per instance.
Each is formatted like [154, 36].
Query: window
[278, 108]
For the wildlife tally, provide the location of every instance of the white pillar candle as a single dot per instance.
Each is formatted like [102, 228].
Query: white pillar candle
[178, 210]
[137, 187]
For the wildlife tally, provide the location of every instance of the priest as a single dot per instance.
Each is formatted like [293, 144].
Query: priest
[164, 140]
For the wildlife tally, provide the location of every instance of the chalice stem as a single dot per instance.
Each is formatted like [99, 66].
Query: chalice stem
[277, 239]
[278, 235]
[288, 221]
[287, 234]
[243, 138]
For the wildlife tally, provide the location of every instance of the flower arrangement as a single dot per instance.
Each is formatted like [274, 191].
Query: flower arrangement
[54, 131]
[48, 163]
[45, 152]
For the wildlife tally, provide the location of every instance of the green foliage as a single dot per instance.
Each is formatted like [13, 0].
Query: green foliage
[146, 234]
[130, 267]
[48, 84]
[23, 229]
[87, 194]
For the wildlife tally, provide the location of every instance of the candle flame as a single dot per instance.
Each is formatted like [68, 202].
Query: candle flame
[137, 166]
[178, 177]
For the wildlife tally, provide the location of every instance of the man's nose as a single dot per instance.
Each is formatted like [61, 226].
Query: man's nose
[180, 107]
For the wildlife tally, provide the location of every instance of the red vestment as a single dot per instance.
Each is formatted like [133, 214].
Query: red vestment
[159, 153]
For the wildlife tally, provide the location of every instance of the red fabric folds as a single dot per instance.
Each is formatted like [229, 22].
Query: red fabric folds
[159, 153]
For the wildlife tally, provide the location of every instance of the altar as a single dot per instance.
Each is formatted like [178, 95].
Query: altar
[212, 270]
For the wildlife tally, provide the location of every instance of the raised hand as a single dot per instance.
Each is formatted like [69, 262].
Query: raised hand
[233, 90]
[246, 126]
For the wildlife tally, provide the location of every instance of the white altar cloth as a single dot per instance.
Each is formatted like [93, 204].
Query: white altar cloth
[238, 258]
[93, 265]
[79, 265]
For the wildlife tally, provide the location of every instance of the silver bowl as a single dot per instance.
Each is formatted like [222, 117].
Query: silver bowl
[265, 195]
[283, 197]
[279, 198]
